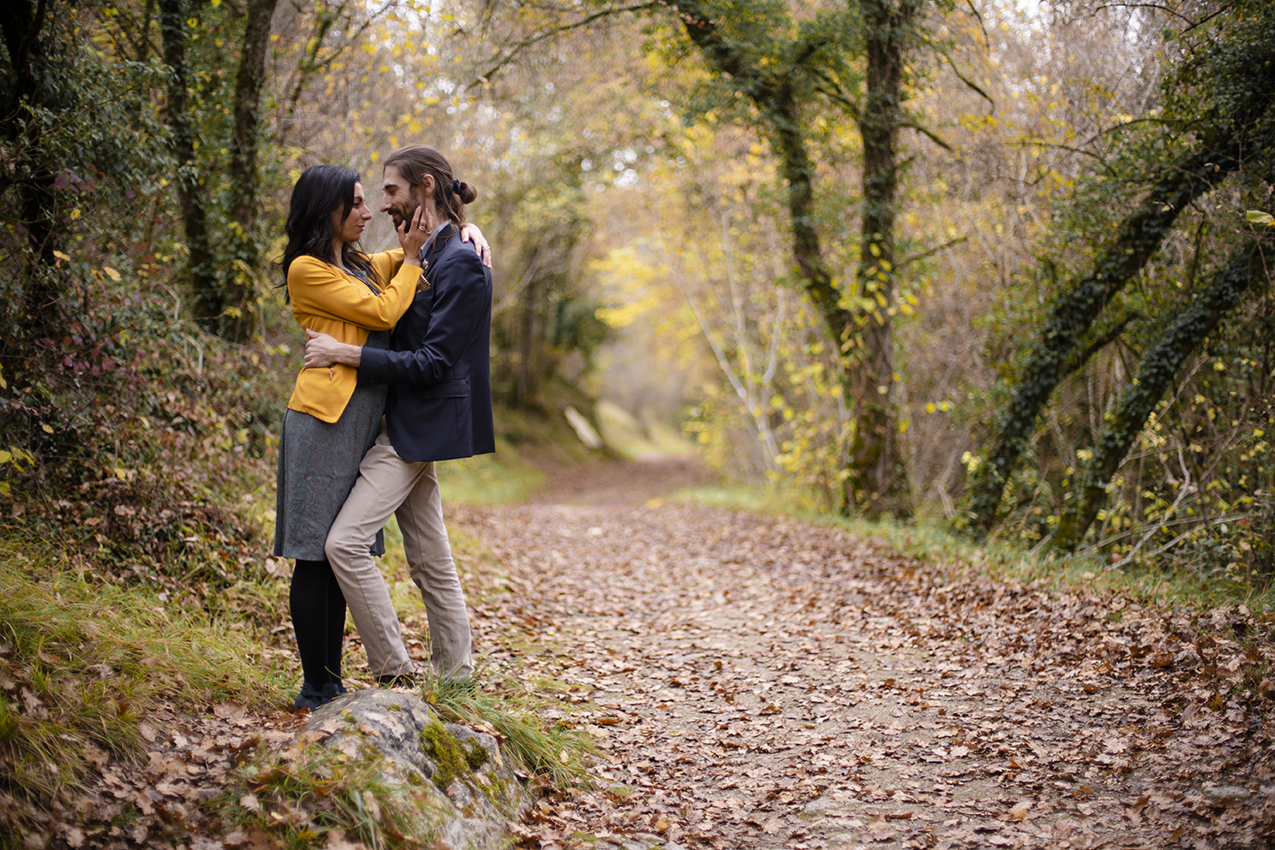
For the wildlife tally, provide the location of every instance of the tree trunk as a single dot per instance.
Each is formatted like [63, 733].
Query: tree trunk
[190, 195]
[878, 480]
[1155, 375]
[875, 462]
[525, 383]
[807, 252]
[238, 295]
[22, 23]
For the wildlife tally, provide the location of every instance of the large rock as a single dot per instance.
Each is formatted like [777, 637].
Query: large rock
[477, 795]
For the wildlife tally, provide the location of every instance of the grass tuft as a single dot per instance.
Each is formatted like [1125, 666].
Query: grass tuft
[500, 703]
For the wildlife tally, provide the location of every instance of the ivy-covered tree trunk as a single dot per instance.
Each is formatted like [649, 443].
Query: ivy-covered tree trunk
[1141, 235]
[878, 477]
[239, 293]
[798, 171]
[1238, 79]
[1155, 375]
[191, 197]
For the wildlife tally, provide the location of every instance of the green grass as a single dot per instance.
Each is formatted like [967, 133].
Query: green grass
[931, 540]
[81, 666]
[487, 479]
[631, 438]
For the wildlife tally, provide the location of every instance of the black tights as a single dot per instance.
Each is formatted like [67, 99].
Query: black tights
[318, 618]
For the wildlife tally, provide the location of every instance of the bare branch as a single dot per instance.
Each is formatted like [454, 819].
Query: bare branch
[1176, 14]
[833, 91]
[1058, 145]
[930, 253]
[964, 79]
[987, 40]
[1103, 339]
[1173, 509]
[912, 125]
[512, 52]
[1120, 126]
[312, 63]
[323, 63]
[1191, 24]
[1210, 17]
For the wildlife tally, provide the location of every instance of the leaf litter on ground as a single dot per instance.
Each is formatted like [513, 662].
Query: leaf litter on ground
[758, 681]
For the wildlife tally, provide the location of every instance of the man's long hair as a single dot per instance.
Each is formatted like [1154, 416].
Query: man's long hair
[450, 194]
[320, 191]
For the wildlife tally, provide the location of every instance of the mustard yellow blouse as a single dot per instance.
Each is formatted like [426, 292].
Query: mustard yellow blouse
[327, 300]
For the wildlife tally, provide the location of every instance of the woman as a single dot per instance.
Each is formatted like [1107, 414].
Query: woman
[331, 420]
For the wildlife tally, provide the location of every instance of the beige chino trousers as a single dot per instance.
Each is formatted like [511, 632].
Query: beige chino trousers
[387, 485]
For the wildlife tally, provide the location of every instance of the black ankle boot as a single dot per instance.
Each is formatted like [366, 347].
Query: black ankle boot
[309, 699]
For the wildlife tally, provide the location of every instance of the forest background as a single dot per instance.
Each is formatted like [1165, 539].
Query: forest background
[996, 266]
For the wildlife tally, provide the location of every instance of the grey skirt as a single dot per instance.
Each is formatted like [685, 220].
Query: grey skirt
[318, 465]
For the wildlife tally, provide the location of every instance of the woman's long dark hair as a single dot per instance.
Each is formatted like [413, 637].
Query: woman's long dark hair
[320, 191]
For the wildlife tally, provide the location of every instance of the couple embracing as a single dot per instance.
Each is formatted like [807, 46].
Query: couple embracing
[396, 377]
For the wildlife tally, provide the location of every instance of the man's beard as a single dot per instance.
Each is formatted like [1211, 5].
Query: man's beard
[403, 213]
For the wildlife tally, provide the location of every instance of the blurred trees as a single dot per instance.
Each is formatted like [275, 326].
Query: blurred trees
[710, 262]
[793, 74]
[1044, 286]
[787, 73]
[1056, 134]
[563, 125]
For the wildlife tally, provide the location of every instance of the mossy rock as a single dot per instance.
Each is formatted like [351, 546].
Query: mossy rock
[459, 769]
[453, 758]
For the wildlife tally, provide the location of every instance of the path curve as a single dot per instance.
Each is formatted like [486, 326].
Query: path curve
[761, 682]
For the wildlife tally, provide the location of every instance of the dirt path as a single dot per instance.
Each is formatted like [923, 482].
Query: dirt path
[758, 682]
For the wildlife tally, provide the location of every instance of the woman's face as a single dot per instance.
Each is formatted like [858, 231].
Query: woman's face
[351, 229]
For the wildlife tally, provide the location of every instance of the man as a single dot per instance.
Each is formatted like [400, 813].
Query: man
[438, 408]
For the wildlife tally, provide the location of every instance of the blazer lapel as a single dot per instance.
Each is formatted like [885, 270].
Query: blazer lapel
[437, 240]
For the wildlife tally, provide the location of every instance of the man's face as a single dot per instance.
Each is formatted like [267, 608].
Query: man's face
[399, 200]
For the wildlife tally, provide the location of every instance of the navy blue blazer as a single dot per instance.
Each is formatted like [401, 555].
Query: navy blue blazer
[438, 364]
